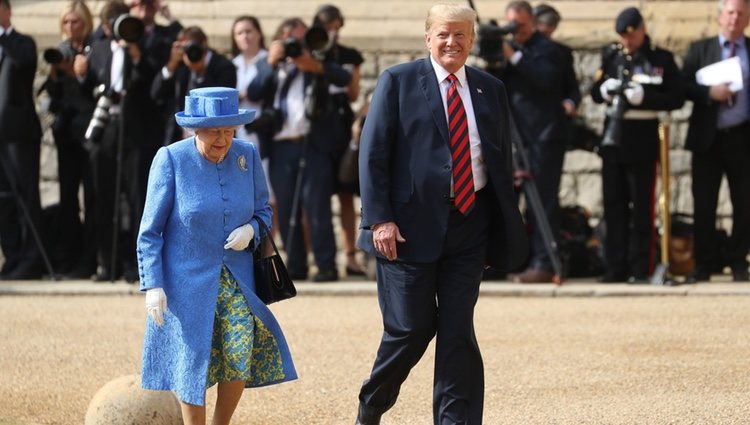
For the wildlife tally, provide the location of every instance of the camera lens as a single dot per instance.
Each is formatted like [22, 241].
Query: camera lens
[194, 52]
[292, 47]
[128, 28]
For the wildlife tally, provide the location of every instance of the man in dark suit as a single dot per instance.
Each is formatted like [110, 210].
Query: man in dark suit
[547, 20]
[629, 166]
[294, 86]
[718, 137]
[437, 207]
[20, 137]
[126, 69]
[192, 64]
[533, 74]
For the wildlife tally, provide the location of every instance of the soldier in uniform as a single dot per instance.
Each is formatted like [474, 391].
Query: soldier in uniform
[647, 80]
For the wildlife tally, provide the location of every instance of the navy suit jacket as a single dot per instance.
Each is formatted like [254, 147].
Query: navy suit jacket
[18, 119]
[405, 164]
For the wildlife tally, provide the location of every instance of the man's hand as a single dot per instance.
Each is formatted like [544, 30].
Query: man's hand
[305, 62]
[175, 56]
[720, 93]
[634, 93]
[80, 65]
[275, 52]
[156, 305]
[384, 237]
[609, 86]
[240, 237]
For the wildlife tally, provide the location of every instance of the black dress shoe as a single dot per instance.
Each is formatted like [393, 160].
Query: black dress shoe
[297, 275]
[326, 276]
[611, 277]
[638, 279]
[365, 416]
[740, 275]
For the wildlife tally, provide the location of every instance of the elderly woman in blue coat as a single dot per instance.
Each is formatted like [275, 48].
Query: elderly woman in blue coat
[206, 198]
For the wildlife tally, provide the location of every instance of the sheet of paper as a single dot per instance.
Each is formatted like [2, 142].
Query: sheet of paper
[726, 71]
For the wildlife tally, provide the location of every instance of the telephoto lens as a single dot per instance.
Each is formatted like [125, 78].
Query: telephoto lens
[100, 118]
[194, 51]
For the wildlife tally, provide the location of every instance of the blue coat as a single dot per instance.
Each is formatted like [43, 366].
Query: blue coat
[191, 207]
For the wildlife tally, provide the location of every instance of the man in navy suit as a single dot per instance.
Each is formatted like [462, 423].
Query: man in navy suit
[20, 136]
[718, 137]
[437, 206]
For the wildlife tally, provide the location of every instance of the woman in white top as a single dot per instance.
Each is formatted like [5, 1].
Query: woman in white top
[248, 49]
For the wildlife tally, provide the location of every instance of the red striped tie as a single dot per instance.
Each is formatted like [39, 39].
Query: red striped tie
[458, 129]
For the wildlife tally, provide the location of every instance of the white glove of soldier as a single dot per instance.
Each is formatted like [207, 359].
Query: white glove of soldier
[156, 305]
[608, 86]
[240, 238]
[634, 93]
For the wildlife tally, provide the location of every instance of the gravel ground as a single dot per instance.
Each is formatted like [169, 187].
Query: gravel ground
[618, 360]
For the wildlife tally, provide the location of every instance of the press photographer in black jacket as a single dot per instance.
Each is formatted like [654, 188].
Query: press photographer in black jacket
[192, 64]
[295, 88]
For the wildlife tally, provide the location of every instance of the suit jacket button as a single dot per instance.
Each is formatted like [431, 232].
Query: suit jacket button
[447, 167]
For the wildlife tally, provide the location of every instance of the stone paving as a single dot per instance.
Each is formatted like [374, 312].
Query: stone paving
[583, 353]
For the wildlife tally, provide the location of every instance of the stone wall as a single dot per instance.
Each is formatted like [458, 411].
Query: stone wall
[391, 31]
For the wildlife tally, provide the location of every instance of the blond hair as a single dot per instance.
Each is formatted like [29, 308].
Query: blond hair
[450, 12]
[79, 8]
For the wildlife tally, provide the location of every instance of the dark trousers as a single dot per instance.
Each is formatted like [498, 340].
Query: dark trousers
[317, 189]
[77, 240]
[104, 166]
[729, 155]
[545, 164]
[629, 217]
[19, 173]
[421, 300]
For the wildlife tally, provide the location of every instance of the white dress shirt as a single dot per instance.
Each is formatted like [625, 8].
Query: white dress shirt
[478, 168]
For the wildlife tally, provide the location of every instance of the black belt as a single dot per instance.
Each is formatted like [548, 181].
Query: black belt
[292, 139]
[745, 126]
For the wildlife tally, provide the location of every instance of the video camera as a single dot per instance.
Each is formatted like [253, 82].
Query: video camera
[127, 27]
[490, 39]
[316, 40]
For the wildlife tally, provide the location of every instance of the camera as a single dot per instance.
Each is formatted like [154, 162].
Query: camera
[194, 51]
[316, 40]
[53, 56]
[128, 28]
[101, 116]
[490, 39]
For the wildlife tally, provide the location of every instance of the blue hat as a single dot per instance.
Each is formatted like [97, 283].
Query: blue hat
[628, 20]
[213, 107]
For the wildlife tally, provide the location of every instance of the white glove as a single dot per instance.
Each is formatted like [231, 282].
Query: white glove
[608, 86]
[240, 237]
[634, 93]
[156, 305]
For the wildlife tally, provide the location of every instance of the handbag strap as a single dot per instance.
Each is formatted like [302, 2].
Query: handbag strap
[267, 233]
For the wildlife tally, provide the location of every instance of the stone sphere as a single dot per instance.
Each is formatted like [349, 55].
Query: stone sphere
[123, 402]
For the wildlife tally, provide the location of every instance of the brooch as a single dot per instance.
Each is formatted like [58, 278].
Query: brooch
[242, 163]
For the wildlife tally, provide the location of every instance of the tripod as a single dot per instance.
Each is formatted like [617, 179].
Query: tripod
[9, 176]
[521, 165]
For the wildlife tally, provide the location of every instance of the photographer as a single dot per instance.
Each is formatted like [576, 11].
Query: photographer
[295, 88]
[126, 67]
[329, 17]
[192, 64]
[20, 137]
[533, 73]
[645, 79]
[74, 254]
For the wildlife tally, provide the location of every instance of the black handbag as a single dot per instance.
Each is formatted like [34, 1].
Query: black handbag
[272, 281]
